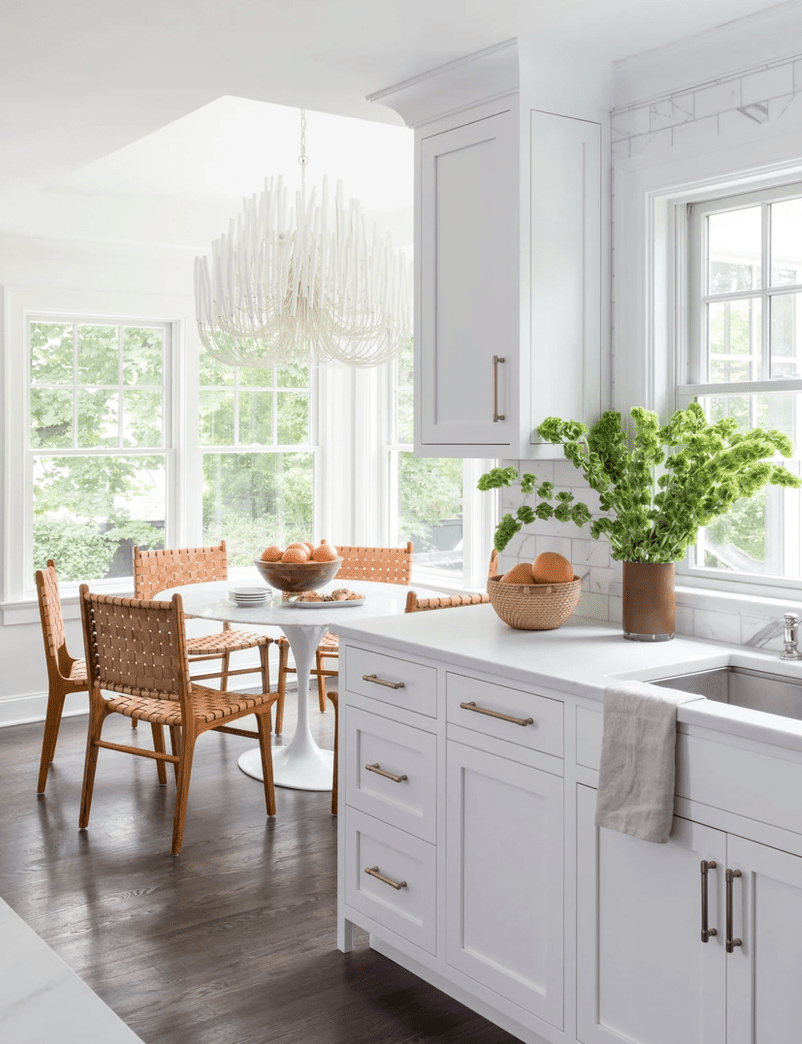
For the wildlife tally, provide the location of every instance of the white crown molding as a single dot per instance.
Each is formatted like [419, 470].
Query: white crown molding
[748, 44]
[554, 79]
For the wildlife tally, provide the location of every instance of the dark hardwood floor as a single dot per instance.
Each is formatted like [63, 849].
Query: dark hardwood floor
[233, 941]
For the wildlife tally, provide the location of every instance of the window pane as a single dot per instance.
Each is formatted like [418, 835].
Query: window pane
[293, 418]
[786, 242]
[51, 353]
[142, 419]
[88, 512]
[248, 377]
[98, 413]
[251, 500]
[761, 534]
[405, 416]
[98, 354]
[295, 376]
[430, 509]
[213, 372]
[51, 418]
[734, 248]
[256, 418]
[142, 355]
[216, 421]
[734, 340]
[785, 336]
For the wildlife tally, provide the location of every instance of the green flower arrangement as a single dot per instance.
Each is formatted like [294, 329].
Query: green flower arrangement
[657, 492]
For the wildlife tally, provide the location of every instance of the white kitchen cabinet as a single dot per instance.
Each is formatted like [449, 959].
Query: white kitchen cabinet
[644, 975]
[509, 253]
[504, 878]
[764, 1001]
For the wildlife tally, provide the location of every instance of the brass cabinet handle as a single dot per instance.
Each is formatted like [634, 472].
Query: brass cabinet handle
[496, 415]
[731, 943]
[497, 714]
[387, 775]
[374, 872]
[706, 932]
[380, 681]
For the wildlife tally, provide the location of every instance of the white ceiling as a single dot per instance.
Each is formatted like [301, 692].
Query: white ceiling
[82, 79]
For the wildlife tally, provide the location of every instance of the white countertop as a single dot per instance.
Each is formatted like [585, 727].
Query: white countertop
[581, 658]
[42, 1001]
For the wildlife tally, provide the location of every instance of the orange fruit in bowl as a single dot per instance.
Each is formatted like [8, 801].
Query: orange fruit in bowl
[551, 568]
[519, 574]
[297, 543]
[324, 553]
[297, 553]
[272, 553]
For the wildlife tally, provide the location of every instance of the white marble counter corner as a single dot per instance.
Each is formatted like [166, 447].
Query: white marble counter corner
[42, 1001]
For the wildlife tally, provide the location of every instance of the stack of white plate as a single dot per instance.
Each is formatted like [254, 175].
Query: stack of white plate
[245, 597]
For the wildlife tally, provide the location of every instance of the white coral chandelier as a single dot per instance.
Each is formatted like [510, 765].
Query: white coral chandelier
[289, 284]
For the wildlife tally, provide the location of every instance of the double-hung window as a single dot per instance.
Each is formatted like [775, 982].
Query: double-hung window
[745, 362]
[98, 446]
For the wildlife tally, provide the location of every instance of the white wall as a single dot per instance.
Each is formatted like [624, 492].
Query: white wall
[673, 120]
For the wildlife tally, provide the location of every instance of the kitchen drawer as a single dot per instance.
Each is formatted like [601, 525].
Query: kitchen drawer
[408, 910]
[405, 796]
[392, 679]
[544, 732]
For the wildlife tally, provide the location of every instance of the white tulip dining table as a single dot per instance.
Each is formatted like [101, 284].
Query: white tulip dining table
[300, 764]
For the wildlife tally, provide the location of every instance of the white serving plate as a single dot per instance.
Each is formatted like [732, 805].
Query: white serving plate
[327, 605]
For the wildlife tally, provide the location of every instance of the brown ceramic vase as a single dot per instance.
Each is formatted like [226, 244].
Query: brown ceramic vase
[649, 601]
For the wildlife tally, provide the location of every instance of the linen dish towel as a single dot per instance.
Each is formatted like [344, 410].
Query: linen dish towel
[636, 772]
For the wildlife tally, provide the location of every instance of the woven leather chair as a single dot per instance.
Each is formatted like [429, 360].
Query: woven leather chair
[65, 673]
[384, 565]
[138, 650]
[158, 570]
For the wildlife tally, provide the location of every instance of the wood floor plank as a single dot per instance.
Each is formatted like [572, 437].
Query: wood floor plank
[234, 941]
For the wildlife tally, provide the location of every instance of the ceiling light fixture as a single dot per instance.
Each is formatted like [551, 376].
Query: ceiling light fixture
[292, 284]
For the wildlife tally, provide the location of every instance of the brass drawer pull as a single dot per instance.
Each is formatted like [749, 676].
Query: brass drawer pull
[706, 932]
[374, 872]
[381, 681]
[497, 714]
[496, 415]
[387, 775]
[730, 876]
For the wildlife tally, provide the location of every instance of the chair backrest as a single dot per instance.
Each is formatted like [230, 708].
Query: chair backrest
[135, 647]
[422, 605]
[386, 565]
[59, 661]
[158, 570]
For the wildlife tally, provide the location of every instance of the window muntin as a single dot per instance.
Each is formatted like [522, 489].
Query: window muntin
[97, 446]
[746, 363]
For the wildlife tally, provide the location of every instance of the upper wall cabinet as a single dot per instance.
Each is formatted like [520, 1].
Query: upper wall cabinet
[511, 288]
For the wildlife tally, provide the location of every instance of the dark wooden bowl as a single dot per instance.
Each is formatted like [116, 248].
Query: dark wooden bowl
[298, 576]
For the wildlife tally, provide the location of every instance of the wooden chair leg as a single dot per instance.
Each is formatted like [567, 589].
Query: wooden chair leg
[334, 702]
[175, 746]
[226, 658]
[283, 658]
[134, 722]
[158, 746]
[55, 707]
[96, 719]
[266, 748]
[321, 682]
[264, 655]
[182, 790]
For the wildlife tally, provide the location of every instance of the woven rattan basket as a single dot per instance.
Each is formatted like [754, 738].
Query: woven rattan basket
[534, 607]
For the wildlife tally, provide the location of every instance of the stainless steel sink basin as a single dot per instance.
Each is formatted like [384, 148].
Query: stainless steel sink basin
[744, 687]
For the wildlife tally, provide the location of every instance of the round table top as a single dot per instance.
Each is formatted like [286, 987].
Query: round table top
[211, 601]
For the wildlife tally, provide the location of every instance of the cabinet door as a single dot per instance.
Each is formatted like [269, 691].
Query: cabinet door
[644, 976]
[764, 1001]
[469, 304]
[504, 878]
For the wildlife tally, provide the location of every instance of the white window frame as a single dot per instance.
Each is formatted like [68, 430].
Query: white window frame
[651, 307]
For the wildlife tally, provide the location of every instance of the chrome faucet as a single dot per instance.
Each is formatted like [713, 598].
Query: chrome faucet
[791, 638]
